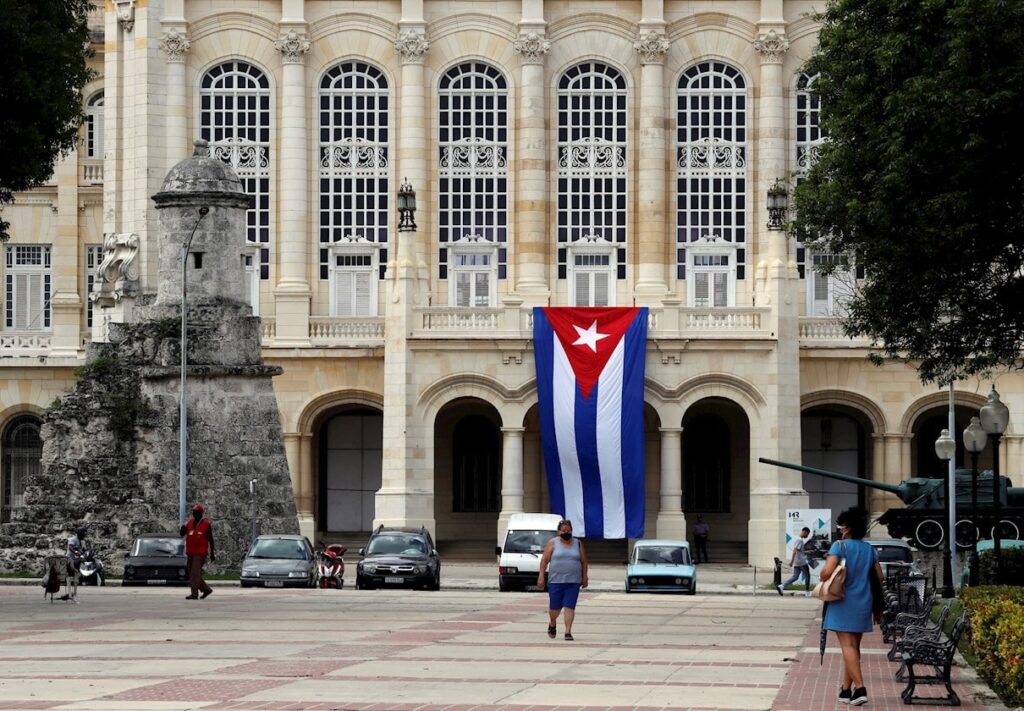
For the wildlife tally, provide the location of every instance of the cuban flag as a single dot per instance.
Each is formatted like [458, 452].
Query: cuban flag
[590, 382]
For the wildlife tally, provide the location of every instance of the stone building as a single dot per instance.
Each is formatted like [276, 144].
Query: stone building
[563, 153]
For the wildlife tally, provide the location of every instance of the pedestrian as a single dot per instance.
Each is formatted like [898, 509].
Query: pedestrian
[799, 563]
[563, 570]
[851, 616]
[700, 536]
[198, 535]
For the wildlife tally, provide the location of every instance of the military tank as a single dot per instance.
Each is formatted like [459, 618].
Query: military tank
[923, 520]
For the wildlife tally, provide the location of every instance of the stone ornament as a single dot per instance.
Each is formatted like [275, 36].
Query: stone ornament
[125, 14]
[652, 47]
[772, 47]
[412, 46]
[117, 275]
[293, 47]
[175, 45]
[532, 47]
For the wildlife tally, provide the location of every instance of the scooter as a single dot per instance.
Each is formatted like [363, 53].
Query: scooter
[330, 567]
[90, 570]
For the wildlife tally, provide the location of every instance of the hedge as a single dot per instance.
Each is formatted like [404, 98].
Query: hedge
[996, 636]
[1012, 566]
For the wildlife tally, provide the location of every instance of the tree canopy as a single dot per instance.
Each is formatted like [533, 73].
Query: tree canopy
[922, 177]
[43, 53]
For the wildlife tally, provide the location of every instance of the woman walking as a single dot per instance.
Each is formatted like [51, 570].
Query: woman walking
[563, 570]
[851, 616]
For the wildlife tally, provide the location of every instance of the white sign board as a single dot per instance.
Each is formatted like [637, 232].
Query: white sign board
[820, 523]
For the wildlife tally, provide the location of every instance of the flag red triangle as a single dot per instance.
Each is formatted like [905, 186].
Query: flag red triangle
[589, 336]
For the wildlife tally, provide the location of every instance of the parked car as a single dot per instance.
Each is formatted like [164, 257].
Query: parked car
[399, 557]
[155, 559]
[278, 561]
[519, 558]
[894, 554]
[661, 566]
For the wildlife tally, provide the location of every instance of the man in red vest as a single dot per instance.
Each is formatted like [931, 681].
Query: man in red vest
[198, 535]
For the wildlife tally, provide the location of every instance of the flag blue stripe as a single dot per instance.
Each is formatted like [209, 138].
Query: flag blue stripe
[544, 355]
[590, 469]
[633, 425]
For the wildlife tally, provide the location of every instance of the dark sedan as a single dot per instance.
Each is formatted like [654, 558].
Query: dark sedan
[399, 558]
[155, 559]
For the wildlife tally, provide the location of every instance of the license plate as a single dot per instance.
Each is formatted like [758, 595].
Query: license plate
[156, 582]
[274, 583]
[394, 581]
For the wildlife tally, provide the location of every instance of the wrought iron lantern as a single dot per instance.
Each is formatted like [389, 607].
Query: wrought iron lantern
[778, 205]
[406, 207]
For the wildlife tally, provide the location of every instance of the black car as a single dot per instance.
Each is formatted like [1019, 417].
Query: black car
[156, 559]
[399, 557]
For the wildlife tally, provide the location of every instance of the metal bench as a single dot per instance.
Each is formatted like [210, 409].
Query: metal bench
[938, 658]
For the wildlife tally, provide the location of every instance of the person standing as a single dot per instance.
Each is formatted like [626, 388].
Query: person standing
[701, 531]
[198, 535]
[563, 570]
[851, 616]
[799, 563]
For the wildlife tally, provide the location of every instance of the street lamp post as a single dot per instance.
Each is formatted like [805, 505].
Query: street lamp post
[945, 448]
[183, 404]
[406, 207]
[974, 441]
[995, 417]
[778, 205]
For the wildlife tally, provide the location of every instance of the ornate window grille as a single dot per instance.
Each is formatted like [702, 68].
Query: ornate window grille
[94, 127]
[22, 452]
[472, 160]
[809, 137]
[234, 116]
[592, 160]
[28, 275]
[93, 258]
[354, 159]
[711, 160]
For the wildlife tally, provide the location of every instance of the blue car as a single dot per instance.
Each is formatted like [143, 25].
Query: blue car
[661, 566]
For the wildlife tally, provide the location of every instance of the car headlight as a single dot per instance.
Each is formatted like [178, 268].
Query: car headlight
[129, 571]
[640, 580]
[370, 568]
[297, 574]
[633, 580]
[251, 572]
[679, 581]
[420, 569]
[181, 572]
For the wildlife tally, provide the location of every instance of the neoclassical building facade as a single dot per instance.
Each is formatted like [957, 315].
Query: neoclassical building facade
[614, 152]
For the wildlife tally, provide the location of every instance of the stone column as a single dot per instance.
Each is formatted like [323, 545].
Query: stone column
[1014, 467]
[880, 500]
[292, 296]
[306, 500]
[412, 46]
[651, 284]
[532, 194]
[65, 303]
[511, 477]
[671, 523]
[175, 45]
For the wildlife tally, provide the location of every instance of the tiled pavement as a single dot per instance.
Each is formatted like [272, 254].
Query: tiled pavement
[151, 649]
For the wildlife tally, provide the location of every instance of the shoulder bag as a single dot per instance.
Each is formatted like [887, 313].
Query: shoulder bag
[833, 588]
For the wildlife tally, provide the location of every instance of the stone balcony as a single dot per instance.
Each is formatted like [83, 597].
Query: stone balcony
[824, 332]
[25, 344]
[91, 172]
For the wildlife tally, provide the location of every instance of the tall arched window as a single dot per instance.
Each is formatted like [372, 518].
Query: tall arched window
[592, 181]
[94, 127]
[809, 137]
[234, 116]
[22, 450]
[711, 175]
[473, 182]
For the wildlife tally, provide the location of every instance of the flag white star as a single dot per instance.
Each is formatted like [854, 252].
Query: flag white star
[589, 336]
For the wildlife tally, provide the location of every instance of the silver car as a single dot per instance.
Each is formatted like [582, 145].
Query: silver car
[894, 554]
[278, 562]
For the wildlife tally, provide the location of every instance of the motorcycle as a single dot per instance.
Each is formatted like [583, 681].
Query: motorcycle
[90, 570]
[330, 567]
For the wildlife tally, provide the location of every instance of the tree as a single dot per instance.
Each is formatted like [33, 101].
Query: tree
[43, 51]
[922, 178]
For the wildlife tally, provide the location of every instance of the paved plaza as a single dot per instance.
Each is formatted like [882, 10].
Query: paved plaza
[460, 648]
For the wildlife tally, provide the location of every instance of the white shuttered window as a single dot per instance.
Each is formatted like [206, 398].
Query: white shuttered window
[353, 285]
[27, 306]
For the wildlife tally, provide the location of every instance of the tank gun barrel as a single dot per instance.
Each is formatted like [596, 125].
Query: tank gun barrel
[891, 488]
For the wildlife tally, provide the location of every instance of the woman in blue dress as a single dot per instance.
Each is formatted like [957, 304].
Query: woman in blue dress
[851, 617]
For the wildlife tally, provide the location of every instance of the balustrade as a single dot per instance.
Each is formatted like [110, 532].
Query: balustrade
[333, 331]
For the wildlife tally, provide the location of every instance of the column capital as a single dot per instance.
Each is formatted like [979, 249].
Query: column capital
[513, 431]
[293, 46]
[670, 430]
[652, 46]
[175, 45]
[532, 47]
[772, 47]
[125, 14]
[412, 46]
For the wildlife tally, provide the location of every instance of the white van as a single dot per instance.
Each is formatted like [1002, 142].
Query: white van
[519, 558]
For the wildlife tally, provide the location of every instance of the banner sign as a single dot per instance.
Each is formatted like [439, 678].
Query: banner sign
[820, 523]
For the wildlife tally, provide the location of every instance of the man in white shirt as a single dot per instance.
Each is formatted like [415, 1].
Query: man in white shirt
[799, 563]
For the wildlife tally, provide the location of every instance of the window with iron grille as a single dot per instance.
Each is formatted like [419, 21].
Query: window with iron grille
[94, 127]
[93, 259]
[711, 161]
[809, 137]
[234, 116]
[22, 452]
[592, 160]
[354, 161]
[473, 160]
[28, 275]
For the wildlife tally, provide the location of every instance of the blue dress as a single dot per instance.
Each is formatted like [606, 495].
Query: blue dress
[853, 612]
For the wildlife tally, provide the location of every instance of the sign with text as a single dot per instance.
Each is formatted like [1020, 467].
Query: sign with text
[820, 523]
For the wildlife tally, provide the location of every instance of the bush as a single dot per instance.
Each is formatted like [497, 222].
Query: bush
[997, 637]
[1012, 567]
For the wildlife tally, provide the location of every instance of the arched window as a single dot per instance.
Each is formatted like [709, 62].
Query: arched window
[473, 181]
[94, 127]
[22, 450]
[476, 461]
[234, 116]
[809, 137]
[711, 175]
[592, 181]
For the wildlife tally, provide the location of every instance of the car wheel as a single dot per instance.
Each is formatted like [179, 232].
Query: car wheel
[628, 589]
[503, 587]
[692, 590]
[436, 584]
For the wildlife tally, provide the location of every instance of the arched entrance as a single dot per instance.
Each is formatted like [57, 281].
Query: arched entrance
[835, 437]
[22, 450]
[926, 429]
[349, 451]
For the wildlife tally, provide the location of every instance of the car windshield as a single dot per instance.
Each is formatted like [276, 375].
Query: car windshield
[894, 554]
[390, 544]
[278, 548]
[527, 541]
[159, 547]
[661, 555]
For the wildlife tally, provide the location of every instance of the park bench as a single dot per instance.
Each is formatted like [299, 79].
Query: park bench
[937, 657]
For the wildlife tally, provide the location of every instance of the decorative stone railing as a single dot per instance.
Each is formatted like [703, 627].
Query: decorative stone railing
[268, 329]
[828, 332]
[24, 344]
[462, 321]
[92, 172]
[341, 330]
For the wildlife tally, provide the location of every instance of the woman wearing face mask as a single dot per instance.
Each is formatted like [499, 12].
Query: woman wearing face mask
[563, 570]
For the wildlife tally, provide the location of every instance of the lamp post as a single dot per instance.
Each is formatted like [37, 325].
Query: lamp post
[778, 204]
[995, 417]
[406, 207]
[974, 441]
[945, 448]
[183, 404]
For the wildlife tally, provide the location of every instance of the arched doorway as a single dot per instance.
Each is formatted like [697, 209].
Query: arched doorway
[22, 451]
[349, 454]
[835, 437]
[926, 429]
